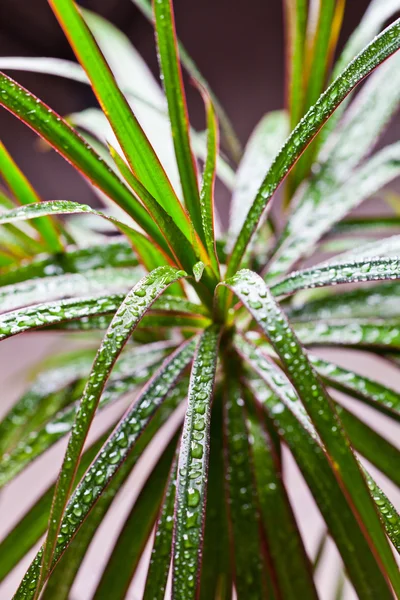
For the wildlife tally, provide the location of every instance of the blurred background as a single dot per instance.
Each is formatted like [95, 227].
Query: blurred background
[239, 47]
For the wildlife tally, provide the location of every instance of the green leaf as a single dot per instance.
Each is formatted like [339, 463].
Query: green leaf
[387, 512]
[333, 273]
[74, 149]
[207, 201]
[296, 25]
[127, 317]
[111, 458]
[231, 139]
[375, 448]
[25, 194]
[244, 518]
[63, 576]
[216, 575]
[324, 24]
[136, 147]
[361, 333]
[51, 390]
[115, 280]
[279, 398]
[36, 442]
[180, 244]
[149, 253]
[132, 539]
[59, 311]
[74, 260]
[380, 397]
[171, 76]
[366, 224]
[290, 562]
[257, 298]
[314, 216]
[191, 486]
[381, 48]
[377, 302]
[377, 14]
[24, 535]
[160, 560]
[265, 141]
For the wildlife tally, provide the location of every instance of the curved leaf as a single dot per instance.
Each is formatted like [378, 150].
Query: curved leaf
[132, 309]
[333, 273]
[115, 280]
[290, 562]
[231, 139]
[131, 541]
[207, 209]
[265, 141]
[275, 392]
[171, 76]
[63, 138]
[381, 48]
[257, 298]
[371, 392]
[361, 333]
[74, 260]
[25, 194]
[150, 254]
[244, 515]
[38, 441]
[160, 560]
[314, 216]
[112, 456]
[136, 147]
[191, 485]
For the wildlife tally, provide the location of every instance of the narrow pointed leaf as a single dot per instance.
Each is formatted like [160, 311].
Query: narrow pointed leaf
[40, 440]
[191, 486]
[380, 397]
[244, 517]
[207, 209]
[280, 400]
[113, 454]
[160, 560]
[261, 149]
[296, 25]
[216, 571]
[74, 260]
[25, 194]
[70, 285]
[149, 253]
[33, 524]
[361, 333]
[255, 295]
[176, 98]
[387, 512]
[63, 138]
[333, 273]
[136, 147]
[381, 48]
[127, 317]
[314, 216]
[378, 302]
[47, 393]
[132, 539]
[375, 448]
[231, 139]
[290, 563]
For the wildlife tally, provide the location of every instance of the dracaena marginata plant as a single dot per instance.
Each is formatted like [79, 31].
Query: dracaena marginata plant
[205, 341]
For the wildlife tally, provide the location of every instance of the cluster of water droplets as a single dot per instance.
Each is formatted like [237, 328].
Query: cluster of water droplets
[372, 269]
[357, 332]
[192, 469]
